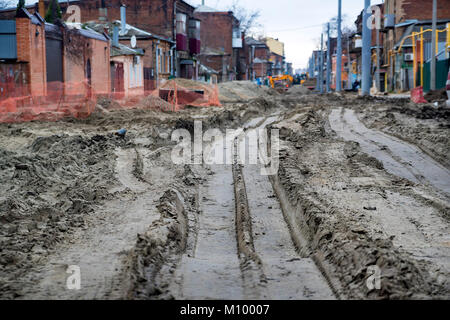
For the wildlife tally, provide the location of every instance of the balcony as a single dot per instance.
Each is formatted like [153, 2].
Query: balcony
[237, 43]
[237, 38]
[194, 46]
[194, 36]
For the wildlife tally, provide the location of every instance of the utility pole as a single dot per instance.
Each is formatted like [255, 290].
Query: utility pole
[339, 50]
[317, 64]
[378, 80]
[433, 48]
[329, 60]
[321, 63]
[349, 82]
[366, 52]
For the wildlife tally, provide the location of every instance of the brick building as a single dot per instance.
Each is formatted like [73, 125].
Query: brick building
[258, 56]
[222, 43]
[277, 56]
[401, 19]
[48, 59]
[157, 52]
[172, 20]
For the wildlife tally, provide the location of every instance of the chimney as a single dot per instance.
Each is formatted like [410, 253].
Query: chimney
[115, 35]
[41, 8]
[123, 19]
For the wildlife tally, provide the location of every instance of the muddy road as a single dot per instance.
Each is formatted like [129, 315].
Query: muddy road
[349, 194]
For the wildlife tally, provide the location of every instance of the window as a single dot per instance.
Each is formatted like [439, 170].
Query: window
[194, 29]
[181, 23]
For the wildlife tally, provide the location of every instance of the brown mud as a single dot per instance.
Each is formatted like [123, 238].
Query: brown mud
[141, 227]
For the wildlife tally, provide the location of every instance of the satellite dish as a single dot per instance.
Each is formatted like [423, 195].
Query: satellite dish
[133, 41]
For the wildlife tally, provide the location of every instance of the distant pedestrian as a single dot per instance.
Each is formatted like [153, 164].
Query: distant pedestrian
[258, 82]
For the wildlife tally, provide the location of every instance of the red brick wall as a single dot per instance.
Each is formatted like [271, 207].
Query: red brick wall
[31, 49]
[156, 16]
[216, 35]
[216, 30]
[262, 53]
[421, 10]
[101, 76]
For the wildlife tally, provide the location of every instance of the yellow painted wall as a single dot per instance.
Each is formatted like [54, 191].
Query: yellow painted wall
[275, 46]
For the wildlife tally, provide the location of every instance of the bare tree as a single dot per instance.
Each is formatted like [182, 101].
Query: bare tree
[6, 4]
[249, 19]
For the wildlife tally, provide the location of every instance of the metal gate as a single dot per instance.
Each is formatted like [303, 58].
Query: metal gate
[54, 62]
[117, 80]
[149, 79]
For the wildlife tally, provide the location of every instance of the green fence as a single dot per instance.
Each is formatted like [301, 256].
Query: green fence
[441, 75]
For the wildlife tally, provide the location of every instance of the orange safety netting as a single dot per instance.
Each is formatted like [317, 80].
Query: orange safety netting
[56, 100]
[50, 102]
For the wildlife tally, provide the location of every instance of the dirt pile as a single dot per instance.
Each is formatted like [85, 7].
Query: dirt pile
[242, 91]
[436, 96]
[298, 90]
[155, 103]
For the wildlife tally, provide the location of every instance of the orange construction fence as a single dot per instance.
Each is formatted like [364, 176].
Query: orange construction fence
[57, 100]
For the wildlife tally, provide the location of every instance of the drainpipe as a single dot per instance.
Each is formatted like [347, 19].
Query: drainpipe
[123, 19]
[157, 63]
[172, 60]
[378, 79]
[115, 35]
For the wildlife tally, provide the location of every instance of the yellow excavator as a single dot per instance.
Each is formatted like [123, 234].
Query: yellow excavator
[284, 81]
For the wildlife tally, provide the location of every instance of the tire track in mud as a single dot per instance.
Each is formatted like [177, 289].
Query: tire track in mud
[100, 251]
[398, 157]
[211, 270]
[253, 275]
[271, 266]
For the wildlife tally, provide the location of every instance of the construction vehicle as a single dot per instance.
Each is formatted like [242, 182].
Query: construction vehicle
[285, 81]
[308, 82]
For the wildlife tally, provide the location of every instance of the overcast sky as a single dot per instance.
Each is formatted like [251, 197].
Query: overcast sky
[295, 22]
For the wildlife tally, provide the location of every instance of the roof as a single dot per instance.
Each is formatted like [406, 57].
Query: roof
[86, 31]
[129, 29]
[206, 70]
[122, 50]
[205, 9]
[212, 52]
[253, 42]
[258, 60]
[138, 33]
